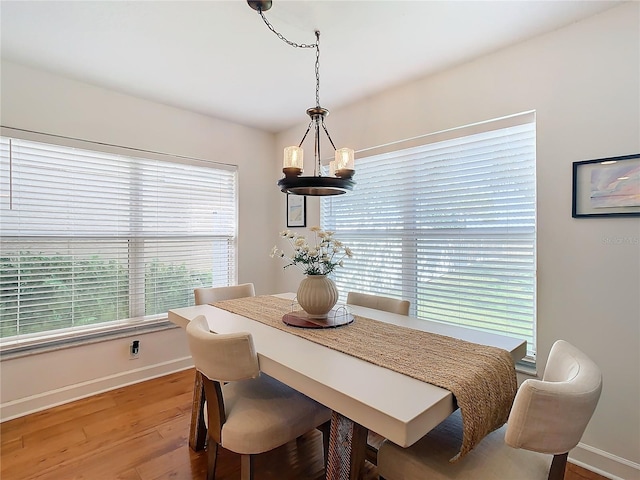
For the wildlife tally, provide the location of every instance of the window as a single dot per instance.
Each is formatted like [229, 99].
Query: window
[95, 240]
[449, 224]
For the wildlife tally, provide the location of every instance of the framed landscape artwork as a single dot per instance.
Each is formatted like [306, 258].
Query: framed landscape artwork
[606, 187]
[296, 210]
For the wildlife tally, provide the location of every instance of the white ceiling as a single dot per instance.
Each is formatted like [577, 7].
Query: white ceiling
[219, 58]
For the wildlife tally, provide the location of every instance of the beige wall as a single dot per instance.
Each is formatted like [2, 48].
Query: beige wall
[583, 81]
[45, 103]
[35, 100]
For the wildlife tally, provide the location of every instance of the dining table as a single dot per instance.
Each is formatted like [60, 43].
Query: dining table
[362, 393]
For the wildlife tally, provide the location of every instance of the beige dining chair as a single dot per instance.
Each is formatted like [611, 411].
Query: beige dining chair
[205, 295]
[247, 412]
[378, 302]
[548, 417]
[386, 304]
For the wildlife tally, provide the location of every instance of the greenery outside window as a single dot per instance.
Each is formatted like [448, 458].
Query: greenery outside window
[97, 238]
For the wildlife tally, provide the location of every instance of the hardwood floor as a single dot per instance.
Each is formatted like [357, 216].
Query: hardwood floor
[140, 432]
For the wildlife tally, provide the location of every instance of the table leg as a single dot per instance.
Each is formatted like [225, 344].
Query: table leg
[198, 429]
[347, 447]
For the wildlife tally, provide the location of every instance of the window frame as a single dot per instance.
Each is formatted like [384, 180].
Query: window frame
[23, 344]
[409, 271]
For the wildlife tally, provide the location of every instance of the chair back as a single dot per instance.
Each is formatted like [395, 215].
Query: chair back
[550, 415]
[205, 295]
[222, 357]
[386, 304]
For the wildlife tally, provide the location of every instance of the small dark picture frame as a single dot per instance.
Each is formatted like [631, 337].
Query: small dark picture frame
[296, 210]
[606, 187]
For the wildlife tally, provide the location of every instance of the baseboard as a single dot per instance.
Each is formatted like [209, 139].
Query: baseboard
[35, 403]
[603, 463]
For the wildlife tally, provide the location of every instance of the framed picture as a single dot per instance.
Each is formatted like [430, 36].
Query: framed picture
[296, 210]
[606, 187]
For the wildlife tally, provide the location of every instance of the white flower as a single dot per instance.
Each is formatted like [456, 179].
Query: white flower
[320, 257]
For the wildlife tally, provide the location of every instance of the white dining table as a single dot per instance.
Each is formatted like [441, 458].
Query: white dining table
[361, 395]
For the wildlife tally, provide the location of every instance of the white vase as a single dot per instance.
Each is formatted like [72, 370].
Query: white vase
[317, 294]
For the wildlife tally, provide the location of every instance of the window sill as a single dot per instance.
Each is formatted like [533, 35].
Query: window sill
[23, 350]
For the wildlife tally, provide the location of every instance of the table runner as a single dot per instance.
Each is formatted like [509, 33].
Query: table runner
[482, 378]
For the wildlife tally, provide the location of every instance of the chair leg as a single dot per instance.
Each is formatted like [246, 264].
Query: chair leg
[325, 428]
[558, 466]
[198, 429]
[212, 458]
[373, 443]
[371, 454]
[246, 467]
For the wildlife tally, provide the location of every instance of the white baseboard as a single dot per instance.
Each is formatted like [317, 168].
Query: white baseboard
[604, 463]
[35, 403]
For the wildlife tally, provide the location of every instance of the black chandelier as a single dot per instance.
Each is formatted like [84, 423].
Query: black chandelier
[341, 169]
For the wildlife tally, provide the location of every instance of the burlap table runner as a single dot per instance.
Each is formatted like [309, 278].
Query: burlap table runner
[482, 379]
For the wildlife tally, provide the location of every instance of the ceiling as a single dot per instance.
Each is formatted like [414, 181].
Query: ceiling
[218, 58]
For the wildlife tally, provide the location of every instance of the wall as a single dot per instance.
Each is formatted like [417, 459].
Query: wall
[583, 81]
[42, 102]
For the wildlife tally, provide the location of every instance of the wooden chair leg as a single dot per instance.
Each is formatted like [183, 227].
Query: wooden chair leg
[212, 459]
[325, 428]
[198, 429]
[373, 443]
[558, 466]
[371, 455]
[246, 467]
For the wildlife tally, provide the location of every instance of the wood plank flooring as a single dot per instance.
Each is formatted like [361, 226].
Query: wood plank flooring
[140, 432]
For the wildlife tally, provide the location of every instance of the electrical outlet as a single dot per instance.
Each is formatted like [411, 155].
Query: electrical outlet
[134, 350]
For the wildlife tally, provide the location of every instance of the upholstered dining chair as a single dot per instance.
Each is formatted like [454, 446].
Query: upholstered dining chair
[204, 295]
[548, 417]
[247, 412]
[378, 302]
[386, 304]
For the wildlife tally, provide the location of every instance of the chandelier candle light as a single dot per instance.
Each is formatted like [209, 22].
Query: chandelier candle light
[341, 169]
[317, 293]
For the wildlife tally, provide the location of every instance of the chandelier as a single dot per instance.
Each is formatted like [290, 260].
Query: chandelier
[341, 169]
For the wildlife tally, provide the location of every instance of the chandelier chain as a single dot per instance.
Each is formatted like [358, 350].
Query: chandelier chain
[282, 37]
[300, 45]
[317, 68]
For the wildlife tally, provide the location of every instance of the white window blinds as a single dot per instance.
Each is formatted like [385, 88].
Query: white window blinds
[91, 238]
[450, 226]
